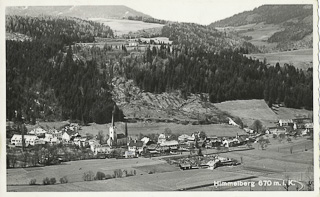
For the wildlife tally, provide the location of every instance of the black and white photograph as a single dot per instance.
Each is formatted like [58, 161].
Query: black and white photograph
[195, 96]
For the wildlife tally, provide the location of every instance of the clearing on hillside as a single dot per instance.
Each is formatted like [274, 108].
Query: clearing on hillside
[121, 27]
[301, 59]
[249, 111]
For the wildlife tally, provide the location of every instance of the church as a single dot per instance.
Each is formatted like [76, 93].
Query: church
[114, 138]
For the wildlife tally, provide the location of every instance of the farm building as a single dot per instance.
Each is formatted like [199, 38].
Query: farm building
[29, 140]
[276, 130]
[67, 135]
[173, 144]
[283, 122]
[37, 131]
[184, 138]
[135, 146]
[145, 140]
[161, 138]
[103, 149]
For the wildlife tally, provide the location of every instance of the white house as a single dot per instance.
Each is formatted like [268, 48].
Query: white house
[29, 140]
[66, 136]
[161, 138]
[173, 144]
[276, 130]
[145, 140]
[135, 146]
[37, 131]
[283, 122]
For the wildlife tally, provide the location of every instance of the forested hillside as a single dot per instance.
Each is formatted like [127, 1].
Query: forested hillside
[225, 75]
[49, 77]
[205, 37]
[45, 81]
[294, 22]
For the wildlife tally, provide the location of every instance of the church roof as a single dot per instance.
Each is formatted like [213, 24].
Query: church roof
[121, 135]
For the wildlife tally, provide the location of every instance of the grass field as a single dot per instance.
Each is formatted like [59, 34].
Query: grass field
[299, 58]
[249, 111]
[74, 170]
[260, 33]
[121, 27]
[291, 113]
[147, 128]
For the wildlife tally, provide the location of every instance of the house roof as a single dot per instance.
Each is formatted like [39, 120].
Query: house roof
[169, 143]
[137, 144]
[121, 135]
[286, 120]
[26, 137]
[309, 126]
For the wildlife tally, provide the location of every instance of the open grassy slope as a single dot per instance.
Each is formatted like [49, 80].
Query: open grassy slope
[302, 59]
[121, 27]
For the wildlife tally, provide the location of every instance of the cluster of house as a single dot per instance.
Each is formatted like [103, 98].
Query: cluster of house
[299, 126]
[68, 134]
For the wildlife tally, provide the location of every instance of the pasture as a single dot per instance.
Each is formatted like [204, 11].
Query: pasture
[121, 27]
[249, 111]
[134, 129]
[259, 32]
[302, 59]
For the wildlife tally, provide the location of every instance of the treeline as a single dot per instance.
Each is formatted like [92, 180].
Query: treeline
[147, 19]
[62, 30]
[45, 81]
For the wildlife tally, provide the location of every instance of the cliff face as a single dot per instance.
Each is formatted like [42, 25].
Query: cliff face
[144, 105]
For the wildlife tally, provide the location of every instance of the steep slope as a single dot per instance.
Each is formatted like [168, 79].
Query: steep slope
[85, 12]
[273, 27]
[137, 104]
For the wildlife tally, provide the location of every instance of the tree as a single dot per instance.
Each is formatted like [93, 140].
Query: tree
[167, 132]
[100, 137]
[263, 143]
[239, 122]
[203, 135]
[257, 126]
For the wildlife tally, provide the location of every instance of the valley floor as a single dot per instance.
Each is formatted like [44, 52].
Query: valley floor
[275, 164]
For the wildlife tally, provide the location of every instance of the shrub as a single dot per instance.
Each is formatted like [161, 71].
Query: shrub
[63, 180]
[108, 176]
[32, 182]
[100, 176]
[118, 173]
[88, 176]
[53, 181]
[46, 181]
[274, 136]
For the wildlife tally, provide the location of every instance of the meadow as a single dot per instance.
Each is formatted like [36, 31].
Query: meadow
[302, 59]
[121, 27]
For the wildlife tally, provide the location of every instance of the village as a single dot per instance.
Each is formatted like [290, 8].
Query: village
[122, 145]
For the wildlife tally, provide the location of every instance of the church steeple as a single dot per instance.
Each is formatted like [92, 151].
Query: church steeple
[112, 121]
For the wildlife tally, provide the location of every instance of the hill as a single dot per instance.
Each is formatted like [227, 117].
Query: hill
[273, 27]
[84, 12]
